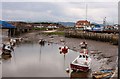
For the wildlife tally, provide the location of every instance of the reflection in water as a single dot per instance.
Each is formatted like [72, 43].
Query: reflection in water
[64, 60]
[34, 60]
[6, 57]
[42, 44]
[79, 75]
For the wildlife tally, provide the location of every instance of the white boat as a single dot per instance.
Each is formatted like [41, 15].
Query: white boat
[81, 63]
[6, 51]
[13, 42]
[83, 45]
[7, 48]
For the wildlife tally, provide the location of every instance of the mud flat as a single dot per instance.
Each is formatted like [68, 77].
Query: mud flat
[104, 53]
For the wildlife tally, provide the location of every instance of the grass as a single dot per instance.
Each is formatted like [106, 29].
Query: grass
[39, 29]
[55, 33]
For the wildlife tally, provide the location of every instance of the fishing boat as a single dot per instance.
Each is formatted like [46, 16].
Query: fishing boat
[6, 50]
[81, 63]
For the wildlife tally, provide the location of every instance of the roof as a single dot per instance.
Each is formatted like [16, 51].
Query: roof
[4, 24]
[98, 25]
[82, 21]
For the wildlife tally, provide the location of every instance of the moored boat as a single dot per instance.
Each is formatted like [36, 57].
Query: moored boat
[81, 63]
[6, 51]
[83, 45]
[103, 74]
[64, 49]
[41, 41]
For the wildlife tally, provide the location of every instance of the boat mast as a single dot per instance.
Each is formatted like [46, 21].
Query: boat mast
[104, 21]
[86, 11]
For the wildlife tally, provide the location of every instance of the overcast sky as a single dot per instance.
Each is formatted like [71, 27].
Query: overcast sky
[60, 11]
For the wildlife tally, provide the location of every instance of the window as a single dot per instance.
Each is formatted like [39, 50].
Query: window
[86, 56]
[83, 56]
[84, 24]
[80, 56]
[8, 46]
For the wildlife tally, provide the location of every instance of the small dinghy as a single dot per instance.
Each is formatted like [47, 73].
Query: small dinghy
[83, 45]
[103, 74]
[13, 42]
[6, 51]
[41, 41]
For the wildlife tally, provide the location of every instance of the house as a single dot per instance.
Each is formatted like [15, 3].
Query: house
[52, 26]
[48, 25]
[82, 24]
[40, 25]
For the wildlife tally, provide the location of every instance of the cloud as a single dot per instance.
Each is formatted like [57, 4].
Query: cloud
[0, 11]
[60, 1]
[62, 11]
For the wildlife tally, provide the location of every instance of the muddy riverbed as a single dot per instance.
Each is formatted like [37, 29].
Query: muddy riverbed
[26, 63]
[105, 52]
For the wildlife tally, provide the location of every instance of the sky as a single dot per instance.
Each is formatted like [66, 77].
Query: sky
[61, 11]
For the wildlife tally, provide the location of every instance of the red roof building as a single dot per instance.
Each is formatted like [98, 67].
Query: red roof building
[82, 23]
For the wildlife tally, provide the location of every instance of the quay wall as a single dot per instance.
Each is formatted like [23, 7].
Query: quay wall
[111, 38]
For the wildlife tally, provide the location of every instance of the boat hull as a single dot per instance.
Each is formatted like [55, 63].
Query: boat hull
[6, 55]
[63, 50]
[78, 67]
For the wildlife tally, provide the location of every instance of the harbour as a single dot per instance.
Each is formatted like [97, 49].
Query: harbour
[71, 40]
[30, 59]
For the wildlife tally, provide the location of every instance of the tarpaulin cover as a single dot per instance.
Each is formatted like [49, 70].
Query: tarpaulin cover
[4, 24]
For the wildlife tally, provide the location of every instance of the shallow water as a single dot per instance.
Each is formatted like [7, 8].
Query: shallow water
[33, 60]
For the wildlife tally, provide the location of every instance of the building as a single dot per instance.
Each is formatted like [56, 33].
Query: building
[48, 25]
[82, 23]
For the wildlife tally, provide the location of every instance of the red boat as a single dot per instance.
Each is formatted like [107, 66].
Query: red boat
[64, 49]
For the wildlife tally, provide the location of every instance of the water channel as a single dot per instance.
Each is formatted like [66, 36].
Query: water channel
[34, 60]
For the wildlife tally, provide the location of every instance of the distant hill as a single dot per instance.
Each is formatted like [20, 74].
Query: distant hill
[68, 24]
